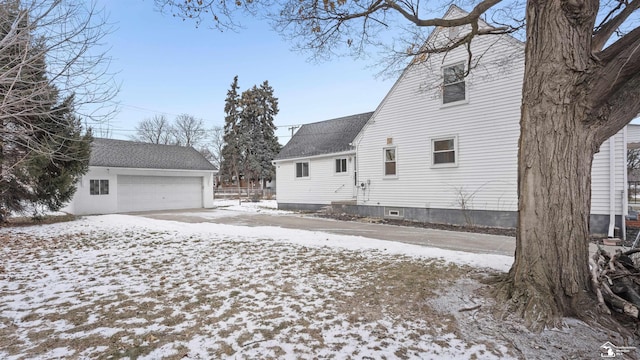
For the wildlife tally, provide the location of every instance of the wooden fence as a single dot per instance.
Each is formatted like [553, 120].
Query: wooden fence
[250, 193]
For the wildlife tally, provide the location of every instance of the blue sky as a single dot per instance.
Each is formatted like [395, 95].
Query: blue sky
[168, 66]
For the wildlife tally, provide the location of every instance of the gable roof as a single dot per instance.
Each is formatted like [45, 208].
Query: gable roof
[132, 154]
[324, 137]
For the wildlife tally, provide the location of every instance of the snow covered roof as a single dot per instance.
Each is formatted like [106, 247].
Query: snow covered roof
[131, 154]
[324, 137]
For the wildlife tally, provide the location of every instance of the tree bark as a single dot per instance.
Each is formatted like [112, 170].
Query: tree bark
[550, 276]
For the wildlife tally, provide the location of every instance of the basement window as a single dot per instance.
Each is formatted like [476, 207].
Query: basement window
[393, 212]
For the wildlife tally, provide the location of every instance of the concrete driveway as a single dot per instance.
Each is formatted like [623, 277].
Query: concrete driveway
[452, 240]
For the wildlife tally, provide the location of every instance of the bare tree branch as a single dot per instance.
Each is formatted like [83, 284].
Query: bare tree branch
[617, 111]
[156, 130]
[188, 131]
[68, 38]
[614, 82]
[471, 18]
[605, 30]
[623, 44]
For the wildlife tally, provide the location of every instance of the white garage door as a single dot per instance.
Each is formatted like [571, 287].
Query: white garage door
[141, 193]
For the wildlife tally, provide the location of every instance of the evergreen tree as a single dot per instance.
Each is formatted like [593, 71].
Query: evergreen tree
[259, 110]
[56, 170]
[43, 151]
[249, 133]
[231, 155]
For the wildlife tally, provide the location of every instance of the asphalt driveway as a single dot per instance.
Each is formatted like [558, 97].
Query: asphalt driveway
[452, 240]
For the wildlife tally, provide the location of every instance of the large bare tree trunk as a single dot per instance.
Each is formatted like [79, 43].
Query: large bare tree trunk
[550, 276]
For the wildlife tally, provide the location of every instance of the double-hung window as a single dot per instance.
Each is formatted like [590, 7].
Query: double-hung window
[302, 169]
[453, 87]
[390, 162]
[444, 151]
[341, 166]
[99, 187]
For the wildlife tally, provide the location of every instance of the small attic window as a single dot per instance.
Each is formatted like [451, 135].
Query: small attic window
[453, 86]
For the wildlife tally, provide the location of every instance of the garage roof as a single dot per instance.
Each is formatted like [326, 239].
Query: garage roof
[324, 137]
[131, 154]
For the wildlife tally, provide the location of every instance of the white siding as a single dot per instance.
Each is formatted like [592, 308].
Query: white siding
[83, 203]
[486, 127]
[600, 180]
[321, 187]
[633, 133]
[487, 130]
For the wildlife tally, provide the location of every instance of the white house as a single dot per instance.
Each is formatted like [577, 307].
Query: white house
[316, 167]
[443, 148]
[127, 176]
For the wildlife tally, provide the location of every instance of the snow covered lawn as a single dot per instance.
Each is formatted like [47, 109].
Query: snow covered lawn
[119, 286]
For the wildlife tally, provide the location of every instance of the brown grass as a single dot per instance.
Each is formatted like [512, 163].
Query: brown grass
[19, 221]
[278, 293]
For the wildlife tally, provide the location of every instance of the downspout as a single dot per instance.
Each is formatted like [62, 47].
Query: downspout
[356, 169]
[612, 187]
[625, 196]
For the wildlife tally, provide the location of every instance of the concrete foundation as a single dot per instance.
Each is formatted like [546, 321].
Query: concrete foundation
[599, 224]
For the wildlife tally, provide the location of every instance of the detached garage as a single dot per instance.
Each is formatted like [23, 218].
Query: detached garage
[127, 176]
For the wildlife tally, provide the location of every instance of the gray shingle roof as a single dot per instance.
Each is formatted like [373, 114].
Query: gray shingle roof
[131, 154]
[324, 137]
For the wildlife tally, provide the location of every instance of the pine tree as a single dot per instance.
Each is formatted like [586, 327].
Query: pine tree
[231, 155]
[56, 170]
[43, 150]
[269, 146]
[249, 133]
[259, 108]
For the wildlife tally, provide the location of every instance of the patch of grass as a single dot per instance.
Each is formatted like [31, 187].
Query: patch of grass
[401, 353]
[283, 293]
[132, 353]
[277, 350]
[224, 349]
[174, 320]
[29, 220]
[400, 290]
[244, 338]
[30, 317]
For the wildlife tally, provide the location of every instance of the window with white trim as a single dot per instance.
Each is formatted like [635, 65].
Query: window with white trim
[444, 151]
[302, 169]
[390, 162]
[99, 187]
[453, 86]
[341, 166]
